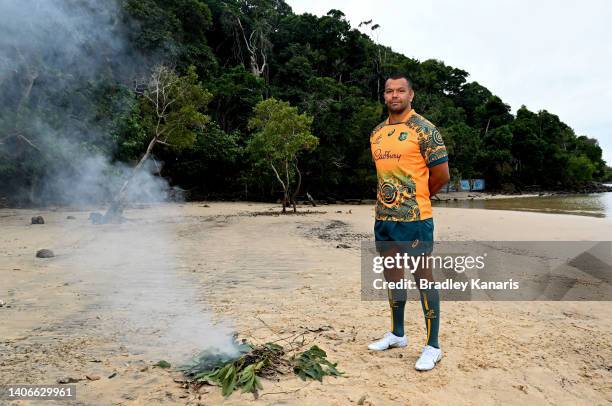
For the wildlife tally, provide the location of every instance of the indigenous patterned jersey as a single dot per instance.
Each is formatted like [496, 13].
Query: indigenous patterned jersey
[403, 154]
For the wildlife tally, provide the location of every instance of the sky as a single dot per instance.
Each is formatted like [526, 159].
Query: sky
[545, 54]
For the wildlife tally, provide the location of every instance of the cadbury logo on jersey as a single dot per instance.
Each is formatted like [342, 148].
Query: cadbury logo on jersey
[378, 154]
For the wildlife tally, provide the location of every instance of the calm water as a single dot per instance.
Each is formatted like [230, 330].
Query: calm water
[593, 204]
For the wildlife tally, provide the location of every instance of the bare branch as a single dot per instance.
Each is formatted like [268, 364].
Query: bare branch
[263, 66]
[23, 137]
[278, 176]
[247, 43]
[164, 143]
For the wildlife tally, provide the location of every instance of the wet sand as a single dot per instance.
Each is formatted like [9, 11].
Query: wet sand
[271, 278]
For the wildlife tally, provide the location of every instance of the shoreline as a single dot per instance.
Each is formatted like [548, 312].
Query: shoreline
[302, 204]
[560, 203]
[449, 196]
[441, 196]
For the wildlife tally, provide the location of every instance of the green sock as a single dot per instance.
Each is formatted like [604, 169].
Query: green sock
[430, 302]
[397, 302]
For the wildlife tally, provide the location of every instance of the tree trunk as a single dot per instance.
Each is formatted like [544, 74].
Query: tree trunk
[299, 184]
[285, 202]
[254, 67]
[487, 129]
[287, 191]
[282, 183]
[311, 199]
[116, 208]
[251, 46]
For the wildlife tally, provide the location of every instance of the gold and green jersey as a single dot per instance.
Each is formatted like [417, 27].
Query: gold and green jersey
[403, 154]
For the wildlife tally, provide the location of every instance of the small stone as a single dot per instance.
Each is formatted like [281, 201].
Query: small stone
[70, 218]
[111, 376]
[2, 303]
[343, 246]
[362, 399]
[522, 388]
[93, 377]
[44, 253]
[38, 220]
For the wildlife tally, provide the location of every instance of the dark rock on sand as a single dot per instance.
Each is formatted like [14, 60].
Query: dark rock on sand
[45, 253]
[38, 220]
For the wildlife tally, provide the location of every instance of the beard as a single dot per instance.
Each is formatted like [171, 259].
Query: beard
[398, 108]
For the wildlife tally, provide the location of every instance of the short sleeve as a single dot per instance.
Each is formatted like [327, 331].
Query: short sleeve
[432, 147]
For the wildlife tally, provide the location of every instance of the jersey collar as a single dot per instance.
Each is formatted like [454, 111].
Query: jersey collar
[404, 118]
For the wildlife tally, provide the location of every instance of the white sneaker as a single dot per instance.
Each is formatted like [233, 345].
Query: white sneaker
[428, 359]
[389, 340]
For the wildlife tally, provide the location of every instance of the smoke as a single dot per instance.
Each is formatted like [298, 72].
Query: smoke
[65, 67]
[65, 71]
[92, 179]
[77, 37]
[147, 298]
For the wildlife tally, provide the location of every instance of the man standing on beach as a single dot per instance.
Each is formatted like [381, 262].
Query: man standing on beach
[412, 165]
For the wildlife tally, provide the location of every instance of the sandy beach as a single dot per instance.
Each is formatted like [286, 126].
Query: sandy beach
[118, 298]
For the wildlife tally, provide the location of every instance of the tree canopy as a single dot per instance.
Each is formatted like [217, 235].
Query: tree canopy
[281, 133]
[319, 70]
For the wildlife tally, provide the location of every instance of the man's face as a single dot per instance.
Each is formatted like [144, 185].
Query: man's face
[398, 95]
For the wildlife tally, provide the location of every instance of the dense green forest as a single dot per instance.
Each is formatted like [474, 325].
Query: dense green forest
[239, 53]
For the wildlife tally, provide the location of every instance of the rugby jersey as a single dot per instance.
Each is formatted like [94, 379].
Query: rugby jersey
[403, 154]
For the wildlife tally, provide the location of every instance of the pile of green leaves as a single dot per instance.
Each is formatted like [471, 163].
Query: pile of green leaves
[313, 364]
[238, 372]
[266, 361]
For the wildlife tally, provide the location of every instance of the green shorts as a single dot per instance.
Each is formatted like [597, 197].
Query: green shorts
[412, 237]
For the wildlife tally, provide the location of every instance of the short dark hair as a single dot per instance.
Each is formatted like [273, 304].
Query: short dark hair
[400, 75]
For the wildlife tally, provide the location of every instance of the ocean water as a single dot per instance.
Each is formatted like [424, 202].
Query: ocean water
[592, 204]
